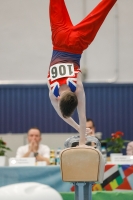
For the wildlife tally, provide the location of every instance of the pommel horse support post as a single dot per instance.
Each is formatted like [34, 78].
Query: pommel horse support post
[83, 166]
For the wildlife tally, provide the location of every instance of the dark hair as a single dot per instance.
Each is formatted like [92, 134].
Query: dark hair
[90, 120]
[68, 103]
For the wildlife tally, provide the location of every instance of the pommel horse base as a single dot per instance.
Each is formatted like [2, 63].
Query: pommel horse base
[82, 166]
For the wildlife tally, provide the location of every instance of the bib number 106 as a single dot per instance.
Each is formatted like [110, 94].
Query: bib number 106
[61, 70]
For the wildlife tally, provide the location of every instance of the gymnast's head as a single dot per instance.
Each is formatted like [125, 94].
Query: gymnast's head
[68, 103]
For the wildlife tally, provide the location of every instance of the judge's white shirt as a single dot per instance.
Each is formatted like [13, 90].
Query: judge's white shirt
[43, 150]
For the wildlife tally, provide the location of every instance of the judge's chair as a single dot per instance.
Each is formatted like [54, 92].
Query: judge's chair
[83, 166]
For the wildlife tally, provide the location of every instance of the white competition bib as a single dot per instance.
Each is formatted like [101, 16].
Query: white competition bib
[61, 70]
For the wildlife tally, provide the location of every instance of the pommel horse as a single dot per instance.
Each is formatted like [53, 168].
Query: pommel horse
[83, 166]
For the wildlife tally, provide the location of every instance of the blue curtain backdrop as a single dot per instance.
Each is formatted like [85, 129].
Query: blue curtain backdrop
[25, 106]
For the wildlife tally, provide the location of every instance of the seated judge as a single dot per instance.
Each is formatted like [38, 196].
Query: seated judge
[90, 124]
[34, 148]
[129, 149]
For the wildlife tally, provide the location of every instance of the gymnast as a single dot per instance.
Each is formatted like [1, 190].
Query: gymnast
[66, 90]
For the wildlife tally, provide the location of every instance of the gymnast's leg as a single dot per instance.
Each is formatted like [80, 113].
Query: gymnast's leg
[59, 18]
[90, 25]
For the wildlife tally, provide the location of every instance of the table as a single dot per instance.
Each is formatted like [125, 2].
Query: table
[118, 177]
[48, 175]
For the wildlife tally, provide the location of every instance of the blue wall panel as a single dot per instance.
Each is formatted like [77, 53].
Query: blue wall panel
[111, 107]
[22, 107]
[25, 106]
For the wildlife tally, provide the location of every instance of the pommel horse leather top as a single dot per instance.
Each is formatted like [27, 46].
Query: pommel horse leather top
[82, 164]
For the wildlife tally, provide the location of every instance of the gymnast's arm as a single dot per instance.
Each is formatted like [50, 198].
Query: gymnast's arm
[68, 120]
[81, 110]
